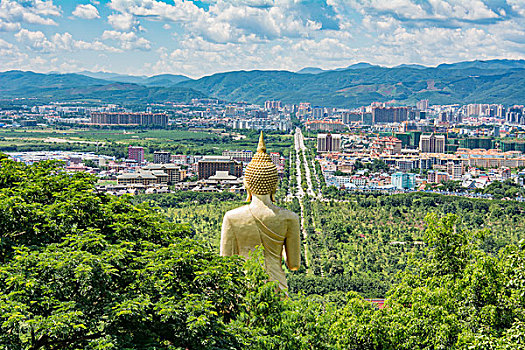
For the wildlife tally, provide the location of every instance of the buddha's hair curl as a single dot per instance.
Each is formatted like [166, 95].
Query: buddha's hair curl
[261, 175]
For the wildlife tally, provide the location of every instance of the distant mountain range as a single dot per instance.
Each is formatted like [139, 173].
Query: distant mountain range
[78, 87]
[490, 64]
[494, 81]
[315, 70]
[156, 80]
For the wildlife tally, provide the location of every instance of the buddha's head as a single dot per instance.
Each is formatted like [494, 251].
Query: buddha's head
[261, 176]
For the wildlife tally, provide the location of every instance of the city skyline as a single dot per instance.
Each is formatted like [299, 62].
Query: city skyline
[197, 38]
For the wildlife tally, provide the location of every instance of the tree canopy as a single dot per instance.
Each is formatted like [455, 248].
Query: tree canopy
[84, 270]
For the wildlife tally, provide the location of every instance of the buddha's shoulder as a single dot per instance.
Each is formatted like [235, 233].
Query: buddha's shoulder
[237, 213]
[244, 211]
[289, 214]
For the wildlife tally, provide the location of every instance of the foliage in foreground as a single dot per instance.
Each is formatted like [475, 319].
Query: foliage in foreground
[87, 271]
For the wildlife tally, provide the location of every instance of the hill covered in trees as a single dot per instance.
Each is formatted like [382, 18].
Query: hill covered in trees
[81, 269]
[493, 81]
[498, 82]
[43, 88]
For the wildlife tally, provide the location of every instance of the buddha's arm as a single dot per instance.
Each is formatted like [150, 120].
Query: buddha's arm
[228, 243]
[293, 244]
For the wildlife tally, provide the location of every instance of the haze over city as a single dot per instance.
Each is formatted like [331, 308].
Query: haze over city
[196, 38]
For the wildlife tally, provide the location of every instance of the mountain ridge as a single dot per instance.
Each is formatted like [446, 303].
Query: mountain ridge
[491, 81]
[348, 88]
[77, 87]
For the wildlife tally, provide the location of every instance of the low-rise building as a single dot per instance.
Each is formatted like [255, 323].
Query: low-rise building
[161, 157]
[244, 156]
[143, 177]
[403, 181]
[174, 172]
[436, 177]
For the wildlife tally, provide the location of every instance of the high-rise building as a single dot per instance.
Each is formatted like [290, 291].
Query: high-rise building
[209, 165]
[422, 105]
[477, 142]
[515, 115]
[432, 143]
[325, 125]
[136, 154]
[389, 114]
[272, 105]
[500, 111]
[277, 159]
[328, 143]
[318, 113]
[143, 119]
[161, 157]
[455, 169]
[477, 109]
[348, 117]
[259, 114]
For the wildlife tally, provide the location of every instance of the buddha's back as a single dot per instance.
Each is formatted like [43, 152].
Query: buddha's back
[262, 223]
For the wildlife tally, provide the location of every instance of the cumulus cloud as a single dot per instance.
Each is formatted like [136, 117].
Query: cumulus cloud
[223, 22]
[31, 11]
[37, 41]
[86, 12]
[8, 26]
[5, 45]
[224, 35]
[127, 40]
[180, 11]
[430, 10]
[123, 21]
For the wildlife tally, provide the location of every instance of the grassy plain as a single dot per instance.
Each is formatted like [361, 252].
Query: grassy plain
[114, 141]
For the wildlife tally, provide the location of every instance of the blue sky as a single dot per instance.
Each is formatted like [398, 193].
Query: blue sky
[196, 38]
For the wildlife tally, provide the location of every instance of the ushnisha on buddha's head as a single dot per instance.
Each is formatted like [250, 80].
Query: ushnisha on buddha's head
[261, 176]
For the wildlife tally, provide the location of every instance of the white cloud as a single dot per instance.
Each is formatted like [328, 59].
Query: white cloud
[518, 6]
[123, 21]
[223, 22]
[86, 12]
[269, 34]
[465, 9]
[127, 40]
[35, 40]
[5, 45]
[444, 10]
[9, 26]
[180, 11]
[31, 11]
[38, 41]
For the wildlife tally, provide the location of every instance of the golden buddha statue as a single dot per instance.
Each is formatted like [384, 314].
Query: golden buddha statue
[262, 223]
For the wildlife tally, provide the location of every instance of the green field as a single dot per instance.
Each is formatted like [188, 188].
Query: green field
[114, 141]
